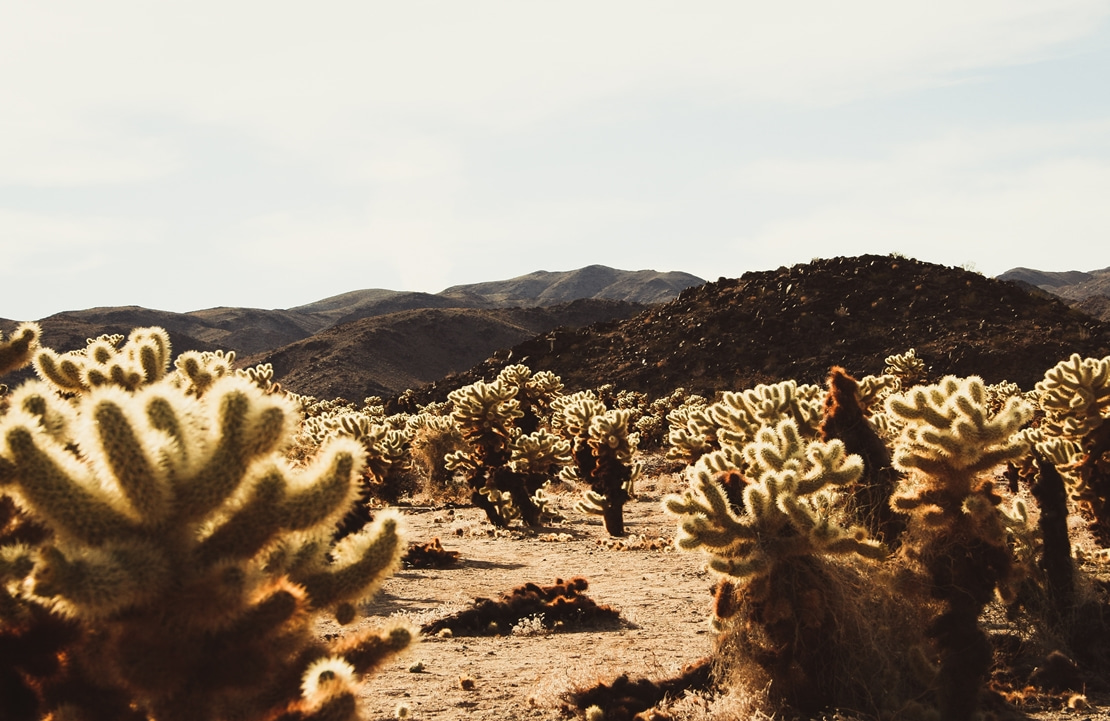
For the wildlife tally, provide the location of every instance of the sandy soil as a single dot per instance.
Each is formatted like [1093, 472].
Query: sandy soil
[663, 597]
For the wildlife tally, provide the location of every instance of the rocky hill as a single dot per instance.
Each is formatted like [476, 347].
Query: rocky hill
[797, 322]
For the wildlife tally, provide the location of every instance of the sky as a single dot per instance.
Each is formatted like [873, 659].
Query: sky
[182, 156]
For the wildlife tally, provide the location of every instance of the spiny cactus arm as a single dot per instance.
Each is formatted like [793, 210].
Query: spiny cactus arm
[283, 500]
[150, 350]
[323, 492]
[243, 423]
[39, 399]
[576, 412]
[460, 461]
[56, 486]
[872, 389]
[947, 428]
[367, 651]
[820, 534]
[539, 452]
[829, 464]
[93, 582]
[907, 367]
[362, 562]
[122, 447]
[17, 350]
[1076, 395]
[329, 690]
[544, 384]
[705, 518]
[485, 406]
[592, 503]
[198, 370]
[65, 371]
[916, 405]
[17, 561]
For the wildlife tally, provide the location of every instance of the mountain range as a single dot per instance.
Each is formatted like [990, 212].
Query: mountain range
[380, 342]
[648, 331]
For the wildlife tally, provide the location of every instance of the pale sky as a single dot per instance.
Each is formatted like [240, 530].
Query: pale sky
[186, 155]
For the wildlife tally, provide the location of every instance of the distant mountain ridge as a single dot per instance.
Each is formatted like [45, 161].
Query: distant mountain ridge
[1070, 284]
[250, 331]
[429, 334]
[593, 281]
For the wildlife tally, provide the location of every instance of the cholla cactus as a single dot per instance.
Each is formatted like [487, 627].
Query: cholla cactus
[143, 359]
[1075, 434]
[772, 537]
[692, 433]
[907, 367]
[17, 350]
[486, 414]
[387, 449]
[192, 553]
[785, 507]
[603, 457]
[741, 415]
[198, 370]
[434, 437]
[957, 533]
[847, 410]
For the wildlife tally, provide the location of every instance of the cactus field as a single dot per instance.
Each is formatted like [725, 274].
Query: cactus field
[895, 513]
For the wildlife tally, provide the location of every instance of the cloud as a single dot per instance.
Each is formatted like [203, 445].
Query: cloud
[308, 79]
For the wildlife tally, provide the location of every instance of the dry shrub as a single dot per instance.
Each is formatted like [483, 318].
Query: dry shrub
[624, 699]
[562, 605]
[431, 443]
[829, 633]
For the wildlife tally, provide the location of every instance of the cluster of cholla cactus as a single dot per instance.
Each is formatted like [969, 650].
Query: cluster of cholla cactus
[957, 532]
[144, 358]
[782, 477]
[734, 419]
[385, 442]
[602, 451]
[509, 457]
[177, 562]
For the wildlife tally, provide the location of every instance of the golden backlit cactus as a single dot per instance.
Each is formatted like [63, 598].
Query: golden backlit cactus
[143, 359]
[603, 458]
[741, 415]
[734, 420]
[193, 553]
[198, 370]
[906, 367]
[691, 433]
[1075, 433]
[789, 567]
[18, 349]
[486, 414]
[956, 533]
[785, 509]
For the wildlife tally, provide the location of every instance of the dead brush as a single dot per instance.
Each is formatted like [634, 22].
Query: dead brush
[560, 605]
